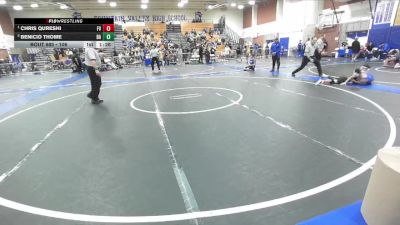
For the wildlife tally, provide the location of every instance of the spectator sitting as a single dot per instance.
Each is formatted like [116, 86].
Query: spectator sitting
[383, 50]
[251, 64]
[393, 59]
[369, 47]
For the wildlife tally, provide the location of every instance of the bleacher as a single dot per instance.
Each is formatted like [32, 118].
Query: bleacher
[187, 27]
[157, 28]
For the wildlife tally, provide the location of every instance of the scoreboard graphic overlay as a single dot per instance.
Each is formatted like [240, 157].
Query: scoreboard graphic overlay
[64, 33]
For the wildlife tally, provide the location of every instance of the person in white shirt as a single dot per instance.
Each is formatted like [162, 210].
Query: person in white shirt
[154, 58]
[93, 63]
[319, 48]
[309, 56]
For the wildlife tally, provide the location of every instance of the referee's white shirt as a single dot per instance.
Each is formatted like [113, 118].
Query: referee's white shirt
[92, 54]
[154, 53]
[320, 44]
[309, 50]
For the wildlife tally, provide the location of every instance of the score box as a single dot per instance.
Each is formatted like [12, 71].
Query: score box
[108, 27]
[108, 36]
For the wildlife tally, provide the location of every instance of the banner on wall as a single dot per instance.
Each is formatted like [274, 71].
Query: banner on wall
[383, 12]
[147, 18]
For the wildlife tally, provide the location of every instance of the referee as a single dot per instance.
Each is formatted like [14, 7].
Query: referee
[93, 62]
[310, 56]
[154, 58]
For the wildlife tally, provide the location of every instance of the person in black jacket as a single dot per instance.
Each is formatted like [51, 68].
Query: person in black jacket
[77, 61]
[201, 54]
[208, 56]
[355, 47]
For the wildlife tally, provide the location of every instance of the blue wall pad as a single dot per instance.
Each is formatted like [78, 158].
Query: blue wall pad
[379, 35]
[348, 215]
[285, 43]
[379, 26]
[394, 40]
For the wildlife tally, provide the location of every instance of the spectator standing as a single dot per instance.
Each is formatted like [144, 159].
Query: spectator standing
[355, 48]
[276, 54]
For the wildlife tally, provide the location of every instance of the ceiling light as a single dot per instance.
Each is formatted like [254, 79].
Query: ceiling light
[18, 7]
[143, 6]
[2, 2]
[252, 2]
[113, 4]
[240, 6]
[210, 7]
[145, 1]
[34, 5]
[101, 1]
[184, 1]
[180, 4]
[233, 4]
[62, 6]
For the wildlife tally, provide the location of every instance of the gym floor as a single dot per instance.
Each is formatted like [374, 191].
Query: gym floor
[195, 144]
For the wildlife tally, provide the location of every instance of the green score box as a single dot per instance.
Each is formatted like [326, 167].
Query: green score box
[108, 36]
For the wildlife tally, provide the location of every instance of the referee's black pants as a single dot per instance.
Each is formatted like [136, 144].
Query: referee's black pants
[95, 82]
[276, 59]
[305, 62]
[154, 60]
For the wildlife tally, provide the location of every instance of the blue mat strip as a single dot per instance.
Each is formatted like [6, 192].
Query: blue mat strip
[25, 99]
[348, 215]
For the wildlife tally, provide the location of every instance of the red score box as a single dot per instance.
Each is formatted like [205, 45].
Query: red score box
[108, 27]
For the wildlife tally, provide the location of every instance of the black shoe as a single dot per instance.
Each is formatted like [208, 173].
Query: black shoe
[293, 75]
[97, 102]
[88, 95]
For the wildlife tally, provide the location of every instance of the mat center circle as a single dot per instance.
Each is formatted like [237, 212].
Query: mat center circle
[197, 99]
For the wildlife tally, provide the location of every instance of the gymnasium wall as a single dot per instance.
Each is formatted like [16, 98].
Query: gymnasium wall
[247, 17]
[259, 40]
[266, 12]
[330, 35]
[328, 3]
[6, 32]
[5, 22]
[286, 21]
[299, 24]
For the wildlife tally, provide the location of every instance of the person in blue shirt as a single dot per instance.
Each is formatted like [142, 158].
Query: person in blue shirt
[386, 47]
[276, 54]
